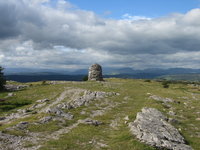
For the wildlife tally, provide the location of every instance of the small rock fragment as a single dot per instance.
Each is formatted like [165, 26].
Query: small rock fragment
[22, 125]
[90, 122]
[45, 119]
[43, 100]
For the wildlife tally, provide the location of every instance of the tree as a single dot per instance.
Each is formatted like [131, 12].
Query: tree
[2, 79]
[85, 78]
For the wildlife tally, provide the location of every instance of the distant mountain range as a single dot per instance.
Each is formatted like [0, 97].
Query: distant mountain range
[29, 75]
[106, 71]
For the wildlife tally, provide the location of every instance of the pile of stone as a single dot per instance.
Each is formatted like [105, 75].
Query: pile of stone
[95, 73]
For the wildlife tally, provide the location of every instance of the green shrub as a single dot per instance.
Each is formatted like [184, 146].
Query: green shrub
[165, 84]
[147, 80]
[44, 82]
[85, 78]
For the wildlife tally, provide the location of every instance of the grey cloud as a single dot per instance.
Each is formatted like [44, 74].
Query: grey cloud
[146, 43]
[8, 23]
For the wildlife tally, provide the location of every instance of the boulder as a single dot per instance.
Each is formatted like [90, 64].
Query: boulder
[152, 128]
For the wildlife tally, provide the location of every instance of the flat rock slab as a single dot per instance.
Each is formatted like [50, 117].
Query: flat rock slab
[152, 128]
[158, 98]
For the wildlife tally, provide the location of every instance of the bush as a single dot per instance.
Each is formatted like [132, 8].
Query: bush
[2, 79]
[85, 78]
[44, 82]
[165, 84]
[147, 80]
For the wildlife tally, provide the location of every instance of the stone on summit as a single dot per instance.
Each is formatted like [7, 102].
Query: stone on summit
[95, 73]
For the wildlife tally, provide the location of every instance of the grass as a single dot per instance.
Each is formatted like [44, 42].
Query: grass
[133, 97]
[47, 127]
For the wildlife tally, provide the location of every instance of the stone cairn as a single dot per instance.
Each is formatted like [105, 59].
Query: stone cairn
[95, 73]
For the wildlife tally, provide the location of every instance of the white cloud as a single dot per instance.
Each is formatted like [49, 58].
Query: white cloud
[130, 17]
[40, 35]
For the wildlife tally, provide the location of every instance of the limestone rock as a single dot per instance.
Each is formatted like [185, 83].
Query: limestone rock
[90, 122]
[95, 73]
[88, 97]
[45, 119]
[22, 125]
[12, 87]
[158, 98]
[43, 100]
[60, 113]
[152, 128]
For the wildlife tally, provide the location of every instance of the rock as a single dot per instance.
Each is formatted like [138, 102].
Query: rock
[2, 118]
[198, 119]
[97, 144]
[43, 100]
[158, 98]
[115, 123]
[45, 119]
[126, 119]
[83, 112]
[97, 113]
[60, 113]
[166, 105]
[172, 120]
[171, 113]
[35, 106]
[12, 87]
[9, 142]
[95, 73]
[22, 125]
[152, 128]
[10, 94]
[87, 98]
[90, 122]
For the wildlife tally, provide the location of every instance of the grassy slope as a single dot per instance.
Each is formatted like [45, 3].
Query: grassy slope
[133, 97]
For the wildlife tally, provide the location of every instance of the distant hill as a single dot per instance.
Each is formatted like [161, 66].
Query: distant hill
[106, 71]
[42, 77]
[32, 75]
[182, 77]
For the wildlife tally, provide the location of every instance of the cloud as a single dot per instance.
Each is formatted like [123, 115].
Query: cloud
[45, 33]
[130, 17]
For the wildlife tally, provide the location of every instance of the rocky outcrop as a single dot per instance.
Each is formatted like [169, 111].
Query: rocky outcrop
[60, 113]
[13, 87]
[88, 97]
[152, 128]
[95, 73]
[161, 99]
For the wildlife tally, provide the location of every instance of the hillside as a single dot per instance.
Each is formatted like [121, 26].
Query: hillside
[93, 115]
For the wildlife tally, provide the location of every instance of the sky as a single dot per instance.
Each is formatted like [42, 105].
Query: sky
[149, 8]
[77, 33]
